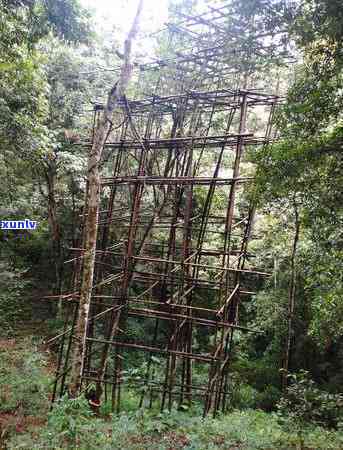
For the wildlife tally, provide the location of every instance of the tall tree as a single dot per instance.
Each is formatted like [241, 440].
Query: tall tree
[93, 199]
[291, 298]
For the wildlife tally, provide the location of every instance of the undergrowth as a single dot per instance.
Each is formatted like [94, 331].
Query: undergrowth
[25, 382]
[25, 385]
[12, 307]
[70, 426]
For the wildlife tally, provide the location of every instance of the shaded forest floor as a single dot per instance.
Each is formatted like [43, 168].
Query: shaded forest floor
[26, 375]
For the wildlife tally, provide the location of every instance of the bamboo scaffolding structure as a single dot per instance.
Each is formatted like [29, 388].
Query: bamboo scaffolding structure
[171, 258]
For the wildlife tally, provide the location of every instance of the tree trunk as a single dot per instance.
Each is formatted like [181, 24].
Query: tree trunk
[291, 301]
[91, 226]
[50, 176]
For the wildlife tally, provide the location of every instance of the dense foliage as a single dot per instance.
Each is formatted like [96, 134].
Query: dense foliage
[302, 173]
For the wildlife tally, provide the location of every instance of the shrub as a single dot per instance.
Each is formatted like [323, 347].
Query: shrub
[304, 403]
[70, 425]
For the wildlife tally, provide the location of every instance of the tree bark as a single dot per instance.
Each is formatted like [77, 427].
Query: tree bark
[94, 183]
[291, 301]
